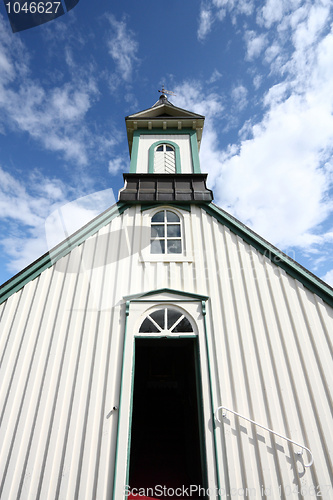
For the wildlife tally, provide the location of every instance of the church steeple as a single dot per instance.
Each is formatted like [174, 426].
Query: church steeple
[164, 143]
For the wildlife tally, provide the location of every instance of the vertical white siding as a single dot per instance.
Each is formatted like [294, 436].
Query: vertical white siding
[61, 340]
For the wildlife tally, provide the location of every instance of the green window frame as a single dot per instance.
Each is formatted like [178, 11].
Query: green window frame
[151, 154]
[166, 233]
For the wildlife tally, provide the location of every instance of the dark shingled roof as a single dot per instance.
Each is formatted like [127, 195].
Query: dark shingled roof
[162, 188]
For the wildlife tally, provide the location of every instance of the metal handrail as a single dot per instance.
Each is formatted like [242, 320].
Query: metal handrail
[224, 414]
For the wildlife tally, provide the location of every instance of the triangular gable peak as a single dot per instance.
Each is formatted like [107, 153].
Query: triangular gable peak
[164, 115]
[164, 109]
[166, 294]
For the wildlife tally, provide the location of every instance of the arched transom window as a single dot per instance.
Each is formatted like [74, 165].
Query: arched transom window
[164, 159]
[165, 233]
[166, 321]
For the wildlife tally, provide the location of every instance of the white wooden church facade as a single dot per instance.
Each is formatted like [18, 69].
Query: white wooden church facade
[118, 347]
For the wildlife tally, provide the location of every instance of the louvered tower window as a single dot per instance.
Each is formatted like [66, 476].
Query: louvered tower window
[164, 159]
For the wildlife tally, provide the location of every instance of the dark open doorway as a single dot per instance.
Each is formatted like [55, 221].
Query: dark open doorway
[167, 445]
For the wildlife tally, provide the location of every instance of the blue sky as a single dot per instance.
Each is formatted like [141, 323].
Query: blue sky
[261, 73]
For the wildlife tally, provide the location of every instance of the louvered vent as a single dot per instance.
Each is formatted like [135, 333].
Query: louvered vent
[164, 159]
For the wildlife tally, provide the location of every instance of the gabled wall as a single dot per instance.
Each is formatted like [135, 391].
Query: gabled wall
[269, 344]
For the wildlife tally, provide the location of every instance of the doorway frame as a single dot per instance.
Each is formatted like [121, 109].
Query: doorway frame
[137, 308]
[198, 391]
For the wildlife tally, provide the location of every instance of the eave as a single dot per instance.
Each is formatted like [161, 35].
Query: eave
[169, 108]
[164, 117]
[290, 266]
[49, 258]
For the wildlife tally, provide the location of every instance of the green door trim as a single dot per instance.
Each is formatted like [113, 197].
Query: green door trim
[136, 298]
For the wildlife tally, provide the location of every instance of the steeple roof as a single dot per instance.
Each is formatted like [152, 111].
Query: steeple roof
[163, 105]
[162, 100]
[164, 114]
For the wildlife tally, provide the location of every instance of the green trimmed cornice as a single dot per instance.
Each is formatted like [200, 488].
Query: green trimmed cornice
[160, 291]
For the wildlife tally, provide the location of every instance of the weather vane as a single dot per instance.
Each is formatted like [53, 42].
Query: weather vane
[163, 91]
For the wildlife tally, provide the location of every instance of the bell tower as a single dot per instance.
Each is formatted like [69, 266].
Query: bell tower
[164, 143]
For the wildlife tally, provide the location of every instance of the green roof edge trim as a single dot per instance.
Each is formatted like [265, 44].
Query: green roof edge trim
[142, 295]
[290, 266]
[31, 272]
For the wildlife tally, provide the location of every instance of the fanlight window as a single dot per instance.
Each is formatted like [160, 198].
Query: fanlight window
[164, 159]
[166, 321]
[165, 233]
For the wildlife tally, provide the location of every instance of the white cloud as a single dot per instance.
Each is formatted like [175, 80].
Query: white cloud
[255, 44]
[239, 96]
[328, 278]
[236, 7]
[72, 216]
[279, 175]
[205, 22]
[280, 184]
[117, 164]
[190, 95]
[25, 207]
[40, 215]
[123, 48]
[308, 31]
[278, 180]
[53, 115]
[216, 75]
[213, 10]
[272, 52]
[274, 10]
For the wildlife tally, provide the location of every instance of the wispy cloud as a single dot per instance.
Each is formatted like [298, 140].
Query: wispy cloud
[205, 21]
[255, 44]
[53, 117]
[118, 164]
[278, 177]
[328, 278]
[123, 48]
[38, 214]
[239, 96]
[215, 10]
[25, 205]
[55, 113]
[51, 114]
[216, 75]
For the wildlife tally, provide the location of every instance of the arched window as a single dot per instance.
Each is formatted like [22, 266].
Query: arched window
[165, 235]
[164, 159]
[166, 321]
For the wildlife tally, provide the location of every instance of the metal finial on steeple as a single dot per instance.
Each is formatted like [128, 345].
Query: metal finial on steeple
[164, 92]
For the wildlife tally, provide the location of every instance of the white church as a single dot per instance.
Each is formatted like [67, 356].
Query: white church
[165, 350]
